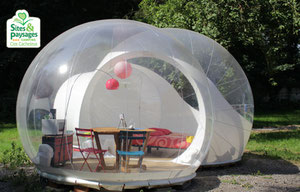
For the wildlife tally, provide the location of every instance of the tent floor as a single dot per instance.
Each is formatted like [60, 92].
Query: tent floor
[148, 165]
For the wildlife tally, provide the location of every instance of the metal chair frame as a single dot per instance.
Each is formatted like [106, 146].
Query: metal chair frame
[88, 133]
[125, 140]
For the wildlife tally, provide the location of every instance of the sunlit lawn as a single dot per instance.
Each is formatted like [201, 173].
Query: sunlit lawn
[8, 134]
[283, 144]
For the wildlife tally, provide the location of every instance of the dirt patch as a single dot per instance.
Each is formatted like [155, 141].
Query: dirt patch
[14, 180]
[249, 175]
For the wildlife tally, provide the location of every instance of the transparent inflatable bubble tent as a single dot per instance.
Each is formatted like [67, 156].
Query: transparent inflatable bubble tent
[121, 104]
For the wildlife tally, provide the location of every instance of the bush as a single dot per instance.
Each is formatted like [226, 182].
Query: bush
[15, 157]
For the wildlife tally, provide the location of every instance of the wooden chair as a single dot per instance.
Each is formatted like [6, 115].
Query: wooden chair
[83, 135]
[125, 140]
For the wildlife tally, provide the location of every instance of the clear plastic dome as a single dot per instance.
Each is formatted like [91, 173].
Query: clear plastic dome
[231, 96]
[117, 77]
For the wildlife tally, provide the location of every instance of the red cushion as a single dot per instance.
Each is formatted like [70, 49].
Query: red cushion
[157, 133]
[160, 131]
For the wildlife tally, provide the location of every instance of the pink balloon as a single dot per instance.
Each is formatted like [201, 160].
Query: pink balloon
[112, 84]
[123, 69]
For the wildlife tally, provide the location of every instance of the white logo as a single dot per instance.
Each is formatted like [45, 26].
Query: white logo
[23, 31]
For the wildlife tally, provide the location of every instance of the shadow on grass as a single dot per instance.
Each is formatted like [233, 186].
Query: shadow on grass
[6, 126]
[276, 118]
[271, 136]
[198, 184]
[266, 123]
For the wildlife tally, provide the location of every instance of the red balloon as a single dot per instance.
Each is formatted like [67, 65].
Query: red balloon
[123, 69]
[112, 84]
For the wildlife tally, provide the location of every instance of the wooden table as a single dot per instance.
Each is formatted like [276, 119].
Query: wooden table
[115, 132]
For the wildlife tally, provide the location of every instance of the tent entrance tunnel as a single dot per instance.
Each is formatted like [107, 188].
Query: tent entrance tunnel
[146, 99]
[121, 104]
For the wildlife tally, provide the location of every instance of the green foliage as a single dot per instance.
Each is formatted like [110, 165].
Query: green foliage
[262, 35]
[14, 157]
[172, 75]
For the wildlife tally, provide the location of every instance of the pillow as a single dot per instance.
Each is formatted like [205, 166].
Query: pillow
[157, 133]
[160, 131]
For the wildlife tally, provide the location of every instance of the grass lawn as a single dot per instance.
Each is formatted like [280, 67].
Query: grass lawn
[282, 144]
[276, 118]
[8, 134]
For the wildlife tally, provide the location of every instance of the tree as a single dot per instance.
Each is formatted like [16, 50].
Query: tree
[263, 35]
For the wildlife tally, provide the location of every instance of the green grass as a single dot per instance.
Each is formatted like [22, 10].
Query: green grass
[236, 181]
[284, 144]
[12, 154]
[8, 134]
[276, 118]
[232, 181]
